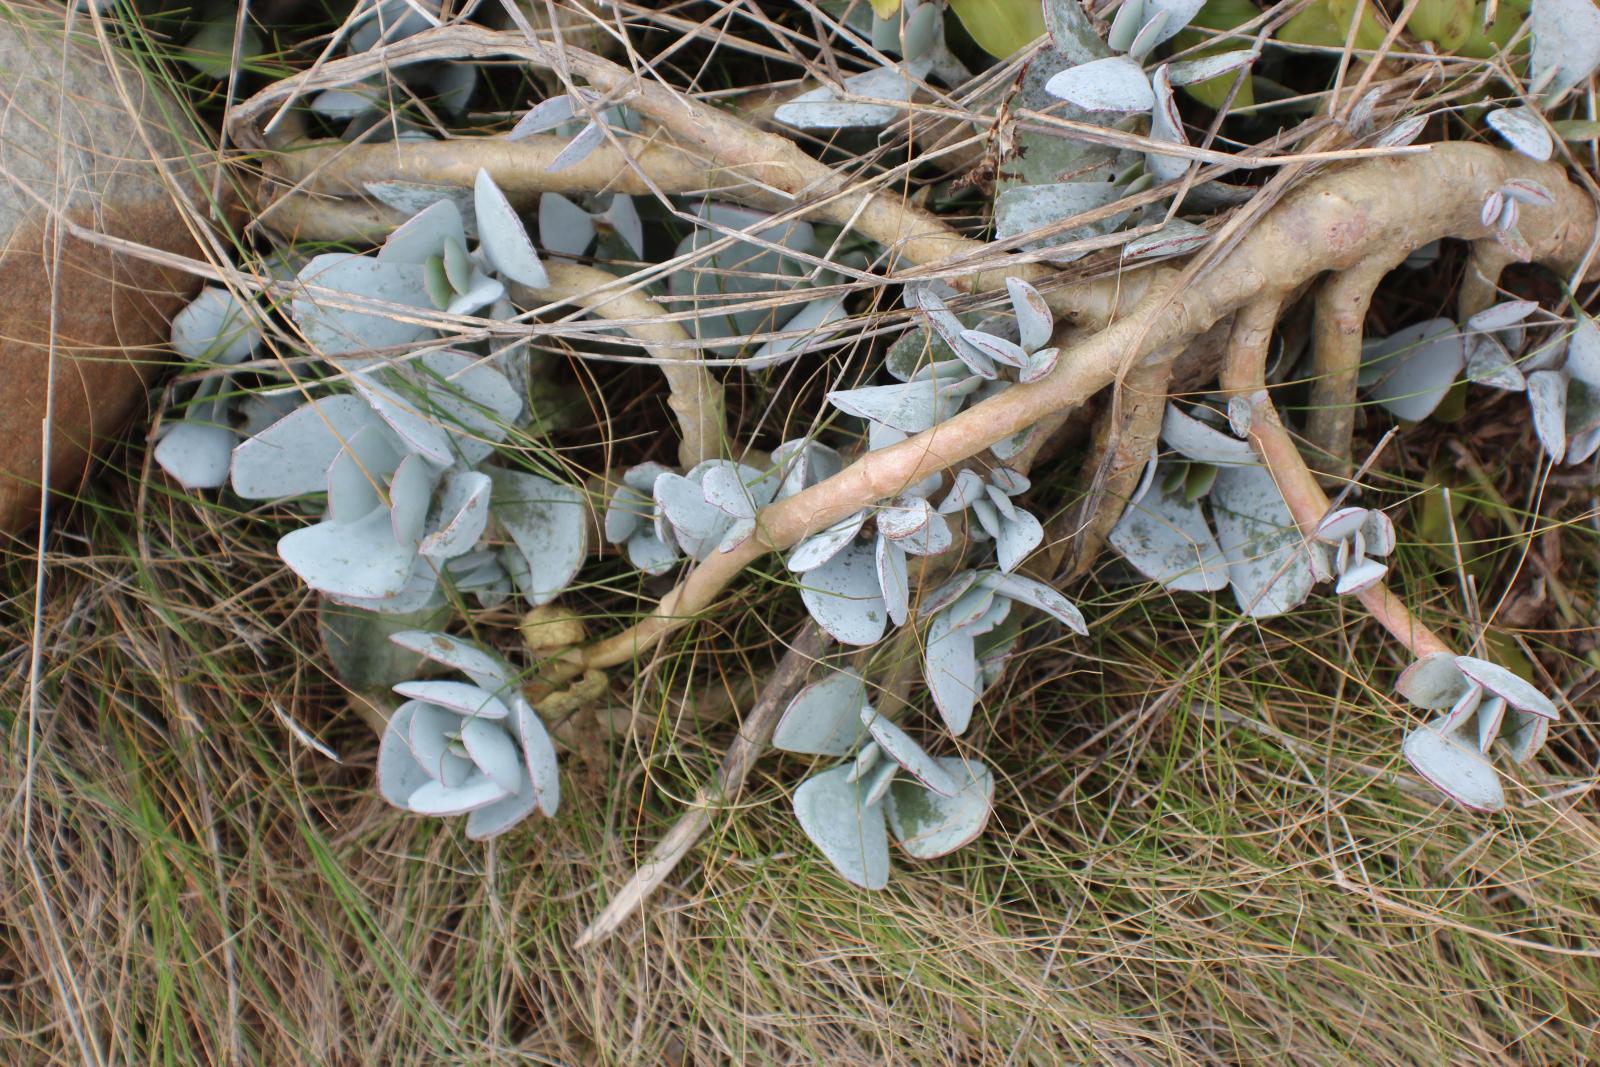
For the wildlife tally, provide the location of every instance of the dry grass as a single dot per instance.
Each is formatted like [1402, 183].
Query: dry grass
[1235, 870]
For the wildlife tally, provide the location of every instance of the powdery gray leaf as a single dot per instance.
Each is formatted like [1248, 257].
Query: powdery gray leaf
[627, 511]
[950, 667]
[1547, 397]
[623, 218]
[196, 454]
[823, 109]
[1341, 524]
[1378, 529]
[696, 525]
[947, 593]
[1493, 205]
[215, 326]
[357, 559]
[866, 758]
[1525, 735]
[824, 718]
[1502, 316]
[464, 512]
[967, 487]
[492, 820]
[1166, 538]
[844, 597]
[539, 753]
[903, 516]
[823, 545]
[424, 234]
[1269, 569]
[1362, 574]
[1035, 323]
[1523, 130]
[480, 292]
[893, 580]
[545, 116]
[1203, 443]
[1008, 481]
[1566, 45]
[904, 750]
[1019, 536]
[1036, 594]
[487, 671]
[1490, 715]
[1129, 20]
[1488, 363]
[1583, 352]
[1039, 364]
[910, 407]
[505, 241]
[852, 834]
[1502, 683]
[548, 523]
[579, 148]
[409, 198]
[399, 772]
[1150, 34]
[1456, 769]
[468, 701]
[1204, 68]
[875, 783]
[1403, 132]
[1527, 191]
[736, 489]
[1166, 127]
[1025, 209]
[949, 329]
[356, 281]
[1433, 682]
[1176, 238]
[494, 753]
[933, 539]
[420, 432]
[811, 322]
[1411, 370]
[928, 825]
[1116, 83]
[988, 517]
[564, 227]
[436, 798]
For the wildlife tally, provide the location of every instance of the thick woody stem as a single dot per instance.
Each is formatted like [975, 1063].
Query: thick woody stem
[1243, 374]
[695, 396]
[1480, 285]
[1340, 315]
[1330, 223]
[1124, 441]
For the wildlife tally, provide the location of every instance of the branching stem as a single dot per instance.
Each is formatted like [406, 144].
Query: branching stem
[1341, 313]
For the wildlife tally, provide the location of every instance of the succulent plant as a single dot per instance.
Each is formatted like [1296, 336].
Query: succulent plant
[474, 748]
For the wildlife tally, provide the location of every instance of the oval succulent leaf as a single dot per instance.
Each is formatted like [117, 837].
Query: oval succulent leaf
[463, 699]
[822, 546]
[1203, 443]
[904, 750]
[1458, 770]
[928, 825]
[505, 240]
[1502, 683]
[1116, 83]
[844, 597]
[215, 326]
[1433, 682]
[1523, 130]
[852, 834]
[1547, 397]
[950, 667]
[824, 718]
[1035, 324]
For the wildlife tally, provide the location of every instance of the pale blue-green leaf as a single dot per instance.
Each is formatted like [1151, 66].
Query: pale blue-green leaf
[1039, 364]
[196, 454]
[1166, 126]
[697, 526]
[492, 820]
[950, 667]
[1116, 83]
[545, 116]
[1403, 132]
[458, 697]
[949, 329]
[1341, 524]
[1501, 682]
[850, 833]
[1009, 481]
[892, 579]
[626, 514]
[356, 282]
[357, 559]
[1176, 238]
[1410, 371]
[843, 596]
[650, 554]
[1036, 594]
[623, 218]
[1488, 363]
[997, 349]
[947, 593]
[392, 20]
[934, 538]
[1458, 770]
[424, 234]
[1525, 735]
[1166, 538]
[1197, 440]
[1583, 352]
[463, 511]
[824, 718]
[438, 282]
[1547, 397]
[928, 825]
[409, 198]
[875, 783]
[1126, 25]
[505, 241]
[431, 735]
[823, 109]
[1361, 574]
[737, 489]
[564, 227]
[578, 149]
[487, 671]
[481, 292]
[1378, 530]
[967, 487]
[1204, 68]
[904, 750]
[340, 105]
[988, 520]
[399, 773]
[1017, 539]
[1269, 569]
[973, 604]
[1523, 130]
[1150, 34]
[540, 754]
[804, 463]
[1026, 209]
[1491, 713]
[357, 475]
[1433, 682]
[471, 397]
[999, 611]
[421, 433]
[436, 798]
[1527, 191]
[923, 31]
[215, 326]
[458, 266]
[420, 593]
[1035, 323]
[910, 407]
[548, 522]
[409, 493]
[903, 516]
[1502, 316]
[494, 752]
[1566, 45]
